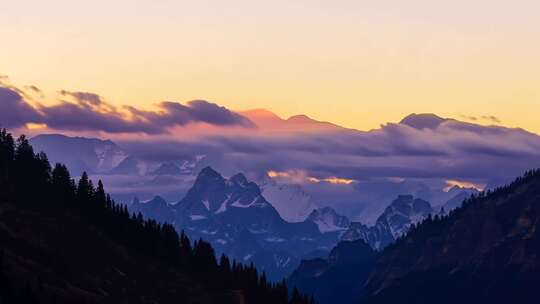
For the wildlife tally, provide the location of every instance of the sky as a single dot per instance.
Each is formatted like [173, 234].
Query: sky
[354, 63]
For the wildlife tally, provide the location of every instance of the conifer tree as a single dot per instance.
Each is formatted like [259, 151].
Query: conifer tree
[31, 178]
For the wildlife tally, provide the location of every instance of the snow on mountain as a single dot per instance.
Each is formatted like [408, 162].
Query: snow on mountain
[328, 220]
[236, 218]
[290, 200]
[80, 153]
[459, 195]
[393, 223]
[167, 168]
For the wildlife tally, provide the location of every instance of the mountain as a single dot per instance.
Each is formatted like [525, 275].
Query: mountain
[392, 224]
[459, 195]
[129, 166]
[80, 153]
[291, 201]
[328, 220]
[156, 208]
[168, 168]
[423, 121]
[234, 216]
[402, 213]
[486, 251]
[339, 277]
[63, 242]
[268, 121]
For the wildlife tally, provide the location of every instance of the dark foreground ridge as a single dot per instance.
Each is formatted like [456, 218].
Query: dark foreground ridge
[486, 251]
[62, 242]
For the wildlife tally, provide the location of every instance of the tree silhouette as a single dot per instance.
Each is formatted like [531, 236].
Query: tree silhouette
[27, 180]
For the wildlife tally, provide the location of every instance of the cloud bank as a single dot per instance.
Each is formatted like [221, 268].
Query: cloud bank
[86, 111]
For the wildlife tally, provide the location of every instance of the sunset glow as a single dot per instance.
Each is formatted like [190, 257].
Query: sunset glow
[332, 61]
[463, 184]
[300, 177]
[269, 152]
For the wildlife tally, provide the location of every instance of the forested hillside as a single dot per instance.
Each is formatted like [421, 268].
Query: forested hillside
[68, 242]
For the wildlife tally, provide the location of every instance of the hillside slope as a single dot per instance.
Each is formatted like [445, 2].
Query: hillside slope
[62, 242]
[486, 251]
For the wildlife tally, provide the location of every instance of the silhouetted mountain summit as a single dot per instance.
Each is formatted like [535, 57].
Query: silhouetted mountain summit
[339, 277]
[423, 121]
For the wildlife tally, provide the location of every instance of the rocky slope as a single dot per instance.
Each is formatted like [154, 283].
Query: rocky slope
[236, 218]
[486, 251]
[392, 224]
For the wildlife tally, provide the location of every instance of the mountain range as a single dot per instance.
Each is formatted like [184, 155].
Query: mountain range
[482, 248]
[80, 154]
[63, 241]
[235, 217]
[357, 173]
[485, 251]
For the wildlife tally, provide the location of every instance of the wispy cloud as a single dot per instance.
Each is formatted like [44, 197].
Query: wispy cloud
[488, 118]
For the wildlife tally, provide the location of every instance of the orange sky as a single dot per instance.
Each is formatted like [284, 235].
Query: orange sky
[355, 63]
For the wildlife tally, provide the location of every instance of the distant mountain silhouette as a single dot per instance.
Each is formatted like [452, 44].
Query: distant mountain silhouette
[392, 224]
[269, 122]
[338, 278]
[423, 121]
[79, 153]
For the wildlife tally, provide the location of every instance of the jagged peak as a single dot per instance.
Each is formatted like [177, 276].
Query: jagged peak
[158, 199]
[209, 172]
[207, 176]
[239, 178]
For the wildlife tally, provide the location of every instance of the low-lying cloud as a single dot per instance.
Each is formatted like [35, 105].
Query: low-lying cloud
[453, 150]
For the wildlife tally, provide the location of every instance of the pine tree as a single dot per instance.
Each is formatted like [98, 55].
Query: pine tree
[100, 198]
[84, 190]
[62, 185]
[30, 178]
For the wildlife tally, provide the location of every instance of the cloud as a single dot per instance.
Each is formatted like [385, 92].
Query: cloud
[454, 150]
[85, 117]
[84, 111]
[174, 113]
[15, 112]
[301, 177]
[34, 89]
[489, 118]
[463, 184]
[469, 117]
[84, 98]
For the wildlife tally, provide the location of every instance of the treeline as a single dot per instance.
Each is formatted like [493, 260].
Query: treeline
[435, 225]
[28, 180]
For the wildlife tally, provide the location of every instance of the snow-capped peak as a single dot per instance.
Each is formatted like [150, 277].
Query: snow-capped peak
[291, 202]
[328, 220]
